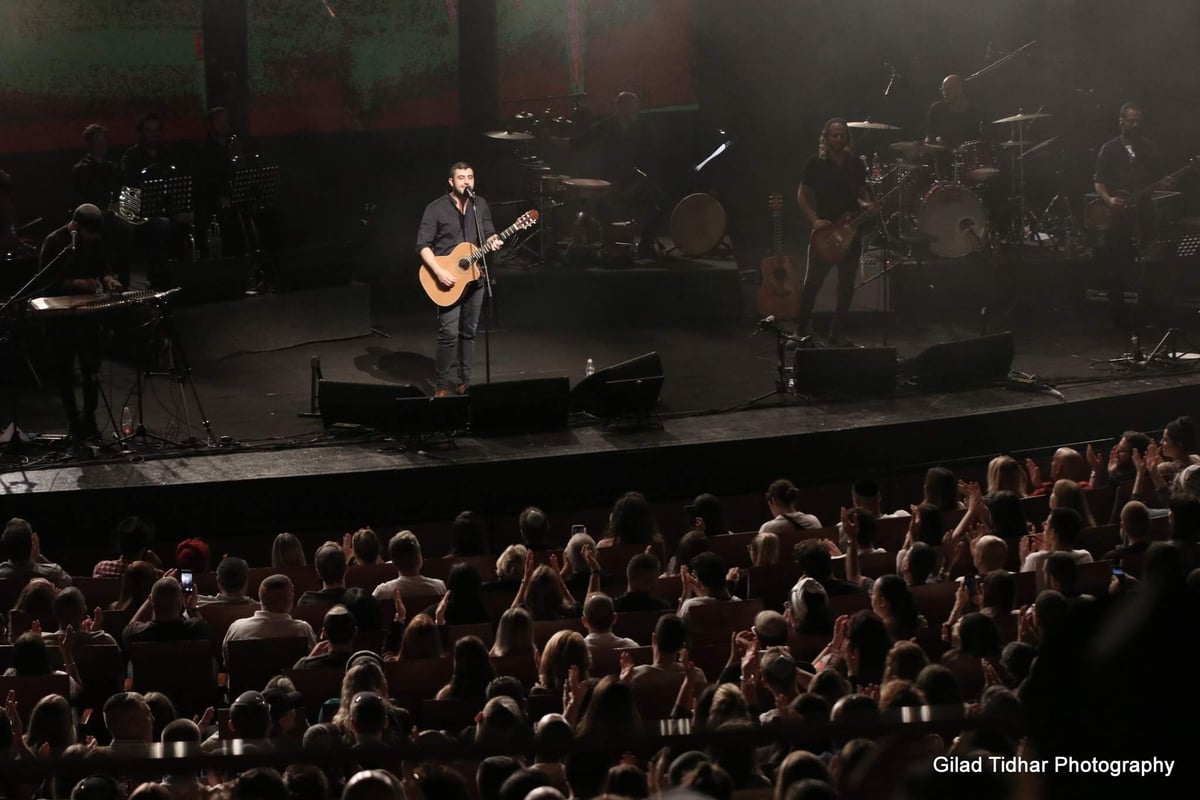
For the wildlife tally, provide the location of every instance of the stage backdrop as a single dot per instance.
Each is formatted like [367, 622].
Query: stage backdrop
[71, 62]
[556, 48]
[324, 66]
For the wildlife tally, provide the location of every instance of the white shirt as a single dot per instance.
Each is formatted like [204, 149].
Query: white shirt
[672, 668]
[608, 641]
[267, 625]
[692, 602]
[409, 586]
[1036, 562]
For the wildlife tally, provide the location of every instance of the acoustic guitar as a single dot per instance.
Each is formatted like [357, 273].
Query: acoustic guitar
[463, 263]
[1100, 214]
[831, 243]
[777, 293]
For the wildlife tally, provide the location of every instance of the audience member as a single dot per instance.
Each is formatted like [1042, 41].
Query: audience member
[783, 499]
[25, 559]
[330, 562]
[338, 630]
[404, 550]
[161, 618]
[233, 575]
[598, 619]
[134, 537]
[272, 621]
[286, 552]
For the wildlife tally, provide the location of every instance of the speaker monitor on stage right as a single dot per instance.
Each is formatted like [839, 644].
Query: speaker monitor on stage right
[969, 362]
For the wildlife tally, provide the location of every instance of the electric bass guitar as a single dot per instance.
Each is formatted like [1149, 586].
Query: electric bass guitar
[1100, 214]
[463, 263]
[831, 243]
[777, 295]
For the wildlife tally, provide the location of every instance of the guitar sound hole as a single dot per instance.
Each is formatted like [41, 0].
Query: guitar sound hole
[464, 263]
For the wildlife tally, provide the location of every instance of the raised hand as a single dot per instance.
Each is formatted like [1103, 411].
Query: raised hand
[991, 676]
[14, 716]
[850, 523]
[841, 629]
[961, 598]
[1093, 459]
[320, 648]
[1034, 472]
[1114, 458]
[574, 688]
[589, 554]
[1026, 626]
[554, 564]
[870, 690]
[440, 614]
[833, 549]
[1139, 461]
[627, 666]
[66, 643]
[205, 719]
[35, 626]
[348, 546]
[530, 566]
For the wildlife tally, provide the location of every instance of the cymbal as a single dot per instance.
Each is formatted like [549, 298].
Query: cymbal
[1040, 146]
[1014, 143]
[917, 148]
[867, 125]
[1021, 118]
[509, 136]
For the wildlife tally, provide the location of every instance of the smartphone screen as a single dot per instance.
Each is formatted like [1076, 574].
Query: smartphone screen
[970, 582]
[578, 529]
[185, 580]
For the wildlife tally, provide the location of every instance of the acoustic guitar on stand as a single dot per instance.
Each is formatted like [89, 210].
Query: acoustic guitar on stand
[831, 243]
[1100, 214]
[777, 295]
[463, 263]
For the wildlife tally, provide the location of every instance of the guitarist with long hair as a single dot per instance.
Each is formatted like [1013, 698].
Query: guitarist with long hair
[447, 222]
[834, 184]
[1125, 165]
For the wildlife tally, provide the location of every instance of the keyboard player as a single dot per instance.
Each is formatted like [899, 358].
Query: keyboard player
[83, 267]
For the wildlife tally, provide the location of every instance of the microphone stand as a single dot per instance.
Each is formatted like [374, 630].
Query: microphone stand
[13, 447]
[488, 298]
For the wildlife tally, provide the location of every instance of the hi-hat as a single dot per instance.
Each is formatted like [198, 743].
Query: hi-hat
[1021, 118]
[1014, 143]
[867, 125]
[917, 148]
[509, 136]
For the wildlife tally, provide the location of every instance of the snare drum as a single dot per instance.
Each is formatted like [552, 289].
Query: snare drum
[955, 220]
[978, 160]
[587, 188]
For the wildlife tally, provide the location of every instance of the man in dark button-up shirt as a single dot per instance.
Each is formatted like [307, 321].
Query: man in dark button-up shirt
[447, 222]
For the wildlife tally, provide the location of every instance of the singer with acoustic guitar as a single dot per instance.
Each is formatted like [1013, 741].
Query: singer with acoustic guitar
[833, 195]
[456, 217]
[1126, 164]
[82, 267]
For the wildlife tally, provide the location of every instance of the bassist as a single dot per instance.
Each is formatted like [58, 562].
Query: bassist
[448, 221]
[834, 184]
[1126, 164]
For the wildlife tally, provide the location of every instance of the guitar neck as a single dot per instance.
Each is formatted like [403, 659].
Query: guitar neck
[1142, 194]
[777, 224]
[487, 247]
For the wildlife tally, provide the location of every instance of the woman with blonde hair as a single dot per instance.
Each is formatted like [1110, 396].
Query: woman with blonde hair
[514, 634]
[1006, 475]
[764, 549]
[565, 649]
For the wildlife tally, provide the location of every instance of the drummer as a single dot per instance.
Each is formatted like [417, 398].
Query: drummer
[952, 120]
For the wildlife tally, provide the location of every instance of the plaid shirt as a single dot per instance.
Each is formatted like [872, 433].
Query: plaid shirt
[109, 569]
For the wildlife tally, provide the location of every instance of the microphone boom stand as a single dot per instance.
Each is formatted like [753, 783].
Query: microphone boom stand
[488, 297]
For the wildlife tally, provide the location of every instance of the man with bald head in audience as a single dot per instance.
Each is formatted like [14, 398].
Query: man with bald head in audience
[988, 553]
[129, 720]
[1066, 464]
[272, 621]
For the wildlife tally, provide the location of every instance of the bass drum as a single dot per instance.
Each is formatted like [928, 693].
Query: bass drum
[955, 220]
[697, 224]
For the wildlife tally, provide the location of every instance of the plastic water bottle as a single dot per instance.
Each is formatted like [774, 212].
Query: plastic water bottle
[213, 239]
[126, 422]
[191, 252]
[589, 368]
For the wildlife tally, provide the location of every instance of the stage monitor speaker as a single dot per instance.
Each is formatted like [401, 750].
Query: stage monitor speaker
[421, 415]
[629, 388]
[370, 404]
[537, 404]
[969, 362]
[865, 370]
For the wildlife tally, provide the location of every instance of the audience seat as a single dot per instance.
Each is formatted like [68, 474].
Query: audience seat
[101, 671]
[183, 671]
[608, 662]
[714, 622]
[317, 686]
[1100, 540]
[732, 548]
[368, 576]
[440, 567]
[485, 631]
[99, 592]
[1094, 578]
[451, 715]
[19, 622]
[412, 681]
[253, 662]
[935, 601]
[303, 578]
[218, 618]
[637, 625]
[28, 690]
[543, 629]
[655, 694]
[522, 667]
[849, 603]
[772, 583]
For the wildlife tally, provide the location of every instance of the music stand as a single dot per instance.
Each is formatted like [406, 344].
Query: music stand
[166, 197]
[254, 189]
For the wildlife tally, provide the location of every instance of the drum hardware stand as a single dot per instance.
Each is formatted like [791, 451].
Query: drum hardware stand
[179, 369]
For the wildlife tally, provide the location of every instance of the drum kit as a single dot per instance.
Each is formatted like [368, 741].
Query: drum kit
[944, 193]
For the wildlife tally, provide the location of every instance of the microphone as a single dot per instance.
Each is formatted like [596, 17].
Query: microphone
[1132, 155]
[891, 80]
[470, 193]
[74, 237]
[767, 320]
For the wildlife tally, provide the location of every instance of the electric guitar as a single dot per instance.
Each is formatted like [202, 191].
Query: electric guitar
[831, 243]
[463, 263]
[777, 293]
[1100, 214]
